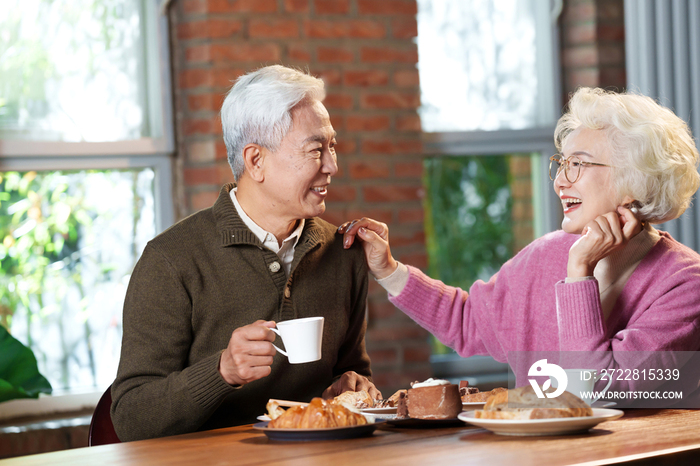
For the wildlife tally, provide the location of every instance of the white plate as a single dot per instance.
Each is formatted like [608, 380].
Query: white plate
[557, 426]
[264, 418]
[331, 433]
[387, 410]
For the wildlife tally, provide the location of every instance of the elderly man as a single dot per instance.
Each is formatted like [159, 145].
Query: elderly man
[197, 349]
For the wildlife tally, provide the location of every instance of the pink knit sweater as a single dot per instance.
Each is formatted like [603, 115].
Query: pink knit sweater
[527, 306]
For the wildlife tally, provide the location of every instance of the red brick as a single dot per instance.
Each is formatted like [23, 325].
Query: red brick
[612, 54]
[299, 52]
[404, 28]
[612, 77]
[365, 78]
[395, 332]
[580, 11]
[409, 169]
[339, 29]
[331, 77]
[611, 32]
[391, 193]
[245, 52]
[203, 199]
[204, 102]
[345, 146]
[331, 7]
[241, 6]
[225, 77]
[587, 77]
[198, 53]
[202, 126]
[580, 34]
[367, 123]
[381, 215]
[408, 123]
[581, 56]
[417, 353]
[610, 10]
[221, 150]
[210, 28]
[378, 146]
[201, 151]
[334, 54]
[194, 6]
[419, 260]
[388, 55]
[194, 78]
[415, 238]
[204, 175]
[407, 78]
[337, 192]
[409, 146]
[273, 28]
[335, 101]
[409, 216]
[296, 6]
[390, 100]
[383, 356]
[365, 170]
[387, 7]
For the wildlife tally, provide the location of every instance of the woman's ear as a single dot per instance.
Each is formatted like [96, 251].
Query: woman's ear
[254, 158]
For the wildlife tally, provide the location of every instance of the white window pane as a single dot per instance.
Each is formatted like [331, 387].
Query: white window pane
[69, 243]
[73, 70]
[478, 64]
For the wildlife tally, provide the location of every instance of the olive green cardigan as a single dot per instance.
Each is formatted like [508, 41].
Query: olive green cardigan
[200, 280]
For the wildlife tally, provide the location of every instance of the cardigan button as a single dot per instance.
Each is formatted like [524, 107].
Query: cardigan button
[275, 267]
[287, 293]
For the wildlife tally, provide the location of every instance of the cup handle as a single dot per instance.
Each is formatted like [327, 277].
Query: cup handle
[601, 393]
[278, 333]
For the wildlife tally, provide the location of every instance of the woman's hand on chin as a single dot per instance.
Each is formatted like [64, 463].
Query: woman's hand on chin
[599, 239]
[375, 242]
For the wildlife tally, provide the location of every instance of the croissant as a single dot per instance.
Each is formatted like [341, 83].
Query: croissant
[318, 414]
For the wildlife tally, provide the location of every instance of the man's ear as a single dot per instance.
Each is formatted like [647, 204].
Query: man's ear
[254, 158]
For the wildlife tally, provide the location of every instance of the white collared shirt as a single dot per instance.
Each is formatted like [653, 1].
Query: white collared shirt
[284, 252]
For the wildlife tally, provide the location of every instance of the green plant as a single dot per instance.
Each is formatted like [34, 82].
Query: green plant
[19, 374]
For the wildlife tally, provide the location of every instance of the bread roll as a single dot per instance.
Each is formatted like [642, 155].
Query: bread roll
[357, 400]
[523, 403]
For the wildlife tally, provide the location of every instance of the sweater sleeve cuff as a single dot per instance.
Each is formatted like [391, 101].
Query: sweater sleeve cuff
[395, 283]
[205, 384]
[579, 312]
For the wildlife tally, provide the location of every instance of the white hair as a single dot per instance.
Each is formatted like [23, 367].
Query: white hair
[652, 150]
[257, 109]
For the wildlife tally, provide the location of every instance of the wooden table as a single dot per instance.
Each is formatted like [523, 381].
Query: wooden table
[653, 436]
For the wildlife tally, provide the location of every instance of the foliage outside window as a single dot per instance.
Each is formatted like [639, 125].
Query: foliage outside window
[478, 215]
[69, 243]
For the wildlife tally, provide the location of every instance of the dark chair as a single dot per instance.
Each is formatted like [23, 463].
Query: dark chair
[101, 427]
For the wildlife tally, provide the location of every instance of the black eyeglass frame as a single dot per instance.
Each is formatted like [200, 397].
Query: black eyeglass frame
[565, 163]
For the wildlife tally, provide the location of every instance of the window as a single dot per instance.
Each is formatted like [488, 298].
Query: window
[85, 171]
[489, 103]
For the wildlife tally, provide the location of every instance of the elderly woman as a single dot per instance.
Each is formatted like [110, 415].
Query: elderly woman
[608, 281]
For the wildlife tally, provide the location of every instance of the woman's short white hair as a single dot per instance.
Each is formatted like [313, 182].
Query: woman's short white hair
[652, 150]
[257, 109]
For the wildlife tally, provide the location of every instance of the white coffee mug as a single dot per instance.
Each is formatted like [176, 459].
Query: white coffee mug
[302, 339]
[581, 382]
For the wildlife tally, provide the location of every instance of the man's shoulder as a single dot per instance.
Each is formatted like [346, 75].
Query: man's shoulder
[195, 228]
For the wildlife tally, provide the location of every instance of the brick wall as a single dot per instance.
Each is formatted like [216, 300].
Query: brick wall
[593, 45]
[364, 51]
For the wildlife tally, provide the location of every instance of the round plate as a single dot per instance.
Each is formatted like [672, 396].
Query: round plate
[388, 410]
[331, 433]
[555, 426]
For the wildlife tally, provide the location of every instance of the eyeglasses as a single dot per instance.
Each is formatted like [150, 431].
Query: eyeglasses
[571, 166]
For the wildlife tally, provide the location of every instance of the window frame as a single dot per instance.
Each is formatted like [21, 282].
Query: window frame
[154, 152]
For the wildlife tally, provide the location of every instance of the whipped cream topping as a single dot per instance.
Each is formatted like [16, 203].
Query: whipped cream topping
[430, 383]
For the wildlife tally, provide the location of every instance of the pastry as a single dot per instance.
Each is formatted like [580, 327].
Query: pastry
[318, 414]
[478, 397]
[359, 400]
[523, 403]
